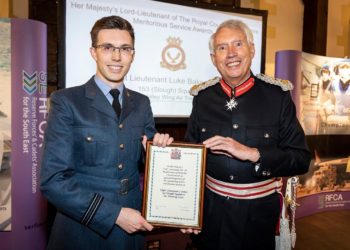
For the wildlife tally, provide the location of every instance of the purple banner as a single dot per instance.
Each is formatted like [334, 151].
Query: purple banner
[28, 118]
[322, 202]
[288, 67]
[316, 80]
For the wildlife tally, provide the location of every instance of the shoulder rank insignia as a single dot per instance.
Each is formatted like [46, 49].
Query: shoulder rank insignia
[198, 87]
[284, 84]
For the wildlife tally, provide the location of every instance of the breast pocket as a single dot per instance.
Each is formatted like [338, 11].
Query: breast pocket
[261, 136]
[92, 145]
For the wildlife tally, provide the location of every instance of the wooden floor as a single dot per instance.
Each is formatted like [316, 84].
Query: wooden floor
[321, 231]
[324, 231]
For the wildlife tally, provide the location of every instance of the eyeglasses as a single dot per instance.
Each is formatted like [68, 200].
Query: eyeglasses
[109, 49]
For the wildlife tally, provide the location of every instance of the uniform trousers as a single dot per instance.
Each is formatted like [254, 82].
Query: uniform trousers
[236, 224]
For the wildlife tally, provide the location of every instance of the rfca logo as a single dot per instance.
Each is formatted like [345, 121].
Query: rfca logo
[333, 197]
[31, 82]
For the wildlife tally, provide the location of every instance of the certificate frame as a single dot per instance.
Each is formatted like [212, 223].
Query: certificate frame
[174, 184]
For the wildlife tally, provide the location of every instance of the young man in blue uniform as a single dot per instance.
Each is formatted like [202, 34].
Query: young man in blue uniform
[250, 127]
[92, 151]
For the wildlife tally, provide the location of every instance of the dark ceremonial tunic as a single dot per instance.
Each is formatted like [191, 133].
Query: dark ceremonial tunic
[264, 117]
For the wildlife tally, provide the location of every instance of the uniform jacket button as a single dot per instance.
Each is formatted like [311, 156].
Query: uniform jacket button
[120, 166]
[121, 146]
[267, 135]
[121, 125]
[231, 177]
[88, 138]
[264, 173]
[235, 126]
[203, 130]
[257, 166]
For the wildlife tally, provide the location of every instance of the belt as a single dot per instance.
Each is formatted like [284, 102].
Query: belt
[244, 191]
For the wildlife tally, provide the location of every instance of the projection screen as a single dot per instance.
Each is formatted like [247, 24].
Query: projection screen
[171, 45]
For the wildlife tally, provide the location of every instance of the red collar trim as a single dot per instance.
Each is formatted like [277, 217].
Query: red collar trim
[238, 90]
[225, 88]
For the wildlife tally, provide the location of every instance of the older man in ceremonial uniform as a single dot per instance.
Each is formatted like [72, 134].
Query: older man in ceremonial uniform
[250, 127]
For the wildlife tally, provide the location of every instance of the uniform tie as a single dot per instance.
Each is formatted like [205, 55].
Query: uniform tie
[116, 105]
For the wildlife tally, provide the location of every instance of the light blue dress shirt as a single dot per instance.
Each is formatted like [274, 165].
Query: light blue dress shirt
[105, 90]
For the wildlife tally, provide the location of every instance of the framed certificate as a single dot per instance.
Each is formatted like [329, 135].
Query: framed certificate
[174, 185]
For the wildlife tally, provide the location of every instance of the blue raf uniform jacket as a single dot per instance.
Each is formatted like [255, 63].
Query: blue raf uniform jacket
[90, 166]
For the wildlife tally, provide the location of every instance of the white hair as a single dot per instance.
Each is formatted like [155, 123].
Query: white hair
[232, 24]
